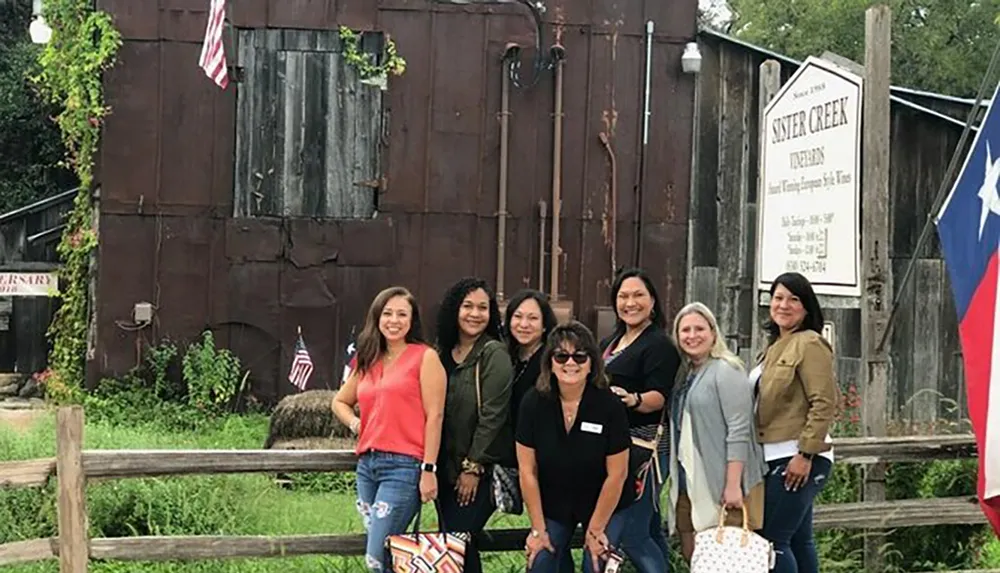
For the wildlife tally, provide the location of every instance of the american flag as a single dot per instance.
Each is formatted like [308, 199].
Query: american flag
[302, 365]
[213, 54]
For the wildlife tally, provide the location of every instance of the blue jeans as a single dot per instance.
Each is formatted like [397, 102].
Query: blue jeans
[388, 500]
[646, 551]
[560, 535]
[788, 516]
[656, 530]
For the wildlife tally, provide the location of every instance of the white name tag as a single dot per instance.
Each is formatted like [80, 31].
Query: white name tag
[591, 427]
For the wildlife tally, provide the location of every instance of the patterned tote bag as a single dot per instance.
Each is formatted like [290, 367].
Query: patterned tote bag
[728, 549]
[427, 551]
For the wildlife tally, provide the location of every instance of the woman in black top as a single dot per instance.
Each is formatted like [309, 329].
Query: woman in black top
[572, 451]
[527, 323]
[641, 363]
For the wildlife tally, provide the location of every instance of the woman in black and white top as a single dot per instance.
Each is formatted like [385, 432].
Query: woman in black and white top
[641, 363]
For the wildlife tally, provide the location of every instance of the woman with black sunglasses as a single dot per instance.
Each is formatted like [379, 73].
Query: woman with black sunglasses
[572, 453]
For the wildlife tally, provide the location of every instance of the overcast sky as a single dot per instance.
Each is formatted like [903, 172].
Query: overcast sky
[716, 7]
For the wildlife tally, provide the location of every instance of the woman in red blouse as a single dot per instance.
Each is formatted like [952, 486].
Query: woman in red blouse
[399, 386]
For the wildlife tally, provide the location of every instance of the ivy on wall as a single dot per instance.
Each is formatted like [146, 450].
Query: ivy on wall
[83, 45]
[366, 63]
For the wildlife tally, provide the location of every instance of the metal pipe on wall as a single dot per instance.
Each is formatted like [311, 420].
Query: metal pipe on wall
[508, 54]
[542, 212]
[613, 223]
[558, 56]
[641, 176]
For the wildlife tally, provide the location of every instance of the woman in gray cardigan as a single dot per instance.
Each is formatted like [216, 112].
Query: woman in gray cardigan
[715, 461]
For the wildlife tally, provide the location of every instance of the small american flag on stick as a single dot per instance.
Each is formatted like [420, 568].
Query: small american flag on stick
[213, 53]
[302, 365]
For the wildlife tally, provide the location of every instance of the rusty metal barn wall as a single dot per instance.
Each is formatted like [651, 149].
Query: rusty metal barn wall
[166, 175]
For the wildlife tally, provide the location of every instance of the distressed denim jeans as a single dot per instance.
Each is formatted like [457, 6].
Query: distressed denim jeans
[388, 500]
[560, 535]
[788, 516]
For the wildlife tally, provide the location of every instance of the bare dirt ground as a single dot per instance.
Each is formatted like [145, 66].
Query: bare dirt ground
[21, 420]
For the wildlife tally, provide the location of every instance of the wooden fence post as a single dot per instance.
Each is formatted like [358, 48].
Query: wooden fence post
[73, 547]
[876, 269]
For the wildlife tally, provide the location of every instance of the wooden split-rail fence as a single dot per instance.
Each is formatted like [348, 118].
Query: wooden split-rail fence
[73, 467]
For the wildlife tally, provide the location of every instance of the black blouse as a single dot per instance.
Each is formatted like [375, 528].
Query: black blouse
[526, 374]
[572, 466]
[649, 363]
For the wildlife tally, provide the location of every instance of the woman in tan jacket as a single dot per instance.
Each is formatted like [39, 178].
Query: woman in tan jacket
[796, 399]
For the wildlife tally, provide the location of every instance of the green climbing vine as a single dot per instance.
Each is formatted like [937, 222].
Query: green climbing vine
[365, 63]
[83, 45]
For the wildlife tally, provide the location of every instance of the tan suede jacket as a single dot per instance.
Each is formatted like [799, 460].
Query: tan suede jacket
[798, 394]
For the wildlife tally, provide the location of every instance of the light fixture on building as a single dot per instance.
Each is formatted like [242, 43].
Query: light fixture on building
[39, 30]
[691, 58]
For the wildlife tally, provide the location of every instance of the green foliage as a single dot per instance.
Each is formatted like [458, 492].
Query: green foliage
[367, 64]
[939, 45]
[30, 149]
[212, 375]
[83, 45]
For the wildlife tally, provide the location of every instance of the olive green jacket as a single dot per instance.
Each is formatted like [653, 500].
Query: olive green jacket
[485, 436]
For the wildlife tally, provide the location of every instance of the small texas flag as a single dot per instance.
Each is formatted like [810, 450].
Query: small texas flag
[969, 227]
[350, 358]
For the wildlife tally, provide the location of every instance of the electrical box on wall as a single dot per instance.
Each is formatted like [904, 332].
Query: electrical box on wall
[142, 313]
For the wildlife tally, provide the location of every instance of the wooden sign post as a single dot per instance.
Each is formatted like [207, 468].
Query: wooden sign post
[876, 268]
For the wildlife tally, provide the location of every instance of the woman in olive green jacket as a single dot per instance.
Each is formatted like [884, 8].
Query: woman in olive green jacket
[477, 431]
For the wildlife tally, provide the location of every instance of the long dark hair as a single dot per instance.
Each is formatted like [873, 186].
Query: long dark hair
[657, 316]
[371, 343]
[580, 337]
[799, 286]
[447, 320]
[548, 317]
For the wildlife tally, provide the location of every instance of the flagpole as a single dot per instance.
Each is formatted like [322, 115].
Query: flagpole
[946, 183]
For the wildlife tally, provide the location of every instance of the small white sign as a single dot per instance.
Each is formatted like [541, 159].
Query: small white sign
[828, 334]
[591, 427]
[809, 219]
[28, 284]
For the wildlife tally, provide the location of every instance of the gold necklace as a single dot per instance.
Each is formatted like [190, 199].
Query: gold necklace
[574, 407]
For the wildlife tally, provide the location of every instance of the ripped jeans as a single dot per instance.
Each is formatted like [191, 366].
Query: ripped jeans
[388, 500]
[788, 516]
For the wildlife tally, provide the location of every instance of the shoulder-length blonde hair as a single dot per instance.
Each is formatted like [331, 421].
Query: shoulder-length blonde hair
[719, 348]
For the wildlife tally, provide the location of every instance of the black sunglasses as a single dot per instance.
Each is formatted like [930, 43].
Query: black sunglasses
[562, 357]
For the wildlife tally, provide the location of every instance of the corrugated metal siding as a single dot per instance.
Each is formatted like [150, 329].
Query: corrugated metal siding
[169, 157]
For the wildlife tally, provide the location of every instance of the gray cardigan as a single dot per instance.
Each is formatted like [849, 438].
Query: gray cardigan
[720, 400]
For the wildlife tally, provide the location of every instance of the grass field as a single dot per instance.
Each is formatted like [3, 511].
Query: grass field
[319, 503]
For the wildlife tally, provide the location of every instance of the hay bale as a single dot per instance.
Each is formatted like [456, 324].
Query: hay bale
[305, 415]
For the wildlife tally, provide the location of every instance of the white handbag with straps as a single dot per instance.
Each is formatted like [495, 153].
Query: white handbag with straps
[728, 549]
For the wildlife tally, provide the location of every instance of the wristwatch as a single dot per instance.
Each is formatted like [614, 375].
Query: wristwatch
[536, 533]
[429, 467]
[807, 456]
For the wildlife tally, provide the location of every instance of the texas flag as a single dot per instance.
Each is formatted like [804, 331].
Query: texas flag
[969, 227]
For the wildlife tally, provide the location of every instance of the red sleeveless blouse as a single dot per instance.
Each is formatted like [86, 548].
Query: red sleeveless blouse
[392, 410]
